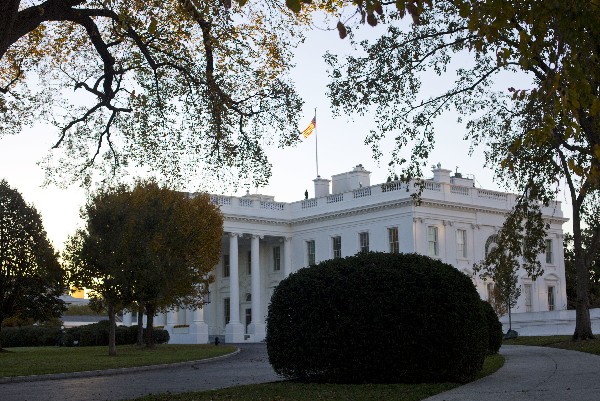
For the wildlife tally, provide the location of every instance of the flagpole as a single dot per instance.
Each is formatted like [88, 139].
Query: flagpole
[316, 144]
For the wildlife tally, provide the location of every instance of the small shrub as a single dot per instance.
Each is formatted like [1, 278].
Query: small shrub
[377, 317]
[494, 327]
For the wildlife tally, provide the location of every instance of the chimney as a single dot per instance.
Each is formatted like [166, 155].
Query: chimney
[440, 174]
[321, 187]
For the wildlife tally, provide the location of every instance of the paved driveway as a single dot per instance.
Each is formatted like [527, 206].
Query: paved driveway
[532, 374]
[251, 365]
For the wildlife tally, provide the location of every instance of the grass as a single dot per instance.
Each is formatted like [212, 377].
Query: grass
[43, 360]
[564, 342]
[293, 391]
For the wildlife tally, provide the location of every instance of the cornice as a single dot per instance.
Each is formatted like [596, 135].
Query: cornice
[369, 208]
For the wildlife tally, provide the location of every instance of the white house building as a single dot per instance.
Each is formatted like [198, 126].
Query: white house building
[266, 240]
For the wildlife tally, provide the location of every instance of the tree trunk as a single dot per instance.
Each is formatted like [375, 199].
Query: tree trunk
[112, 345]
[583, 324]
[150, 311]
[140, 322]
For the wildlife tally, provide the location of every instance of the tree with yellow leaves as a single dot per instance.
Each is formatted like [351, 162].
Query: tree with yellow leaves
[536, 136]
[147, 245]
[182, 86]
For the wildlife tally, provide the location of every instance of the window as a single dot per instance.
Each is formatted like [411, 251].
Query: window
[225, 265]
[528, 298]
[310, 252]
[393, 239]
[181, 316]
[548, 251]
[432, 239]
[461, 244]
[227, 310]
[276, 259]
[336, 243]
[363, 239]
[490, 292]
[249, 267]
[550, 297]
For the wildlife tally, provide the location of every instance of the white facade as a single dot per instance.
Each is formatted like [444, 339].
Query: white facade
[266, 240]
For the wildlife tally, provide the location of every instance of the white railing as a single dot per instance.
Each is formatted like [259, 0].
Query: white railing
[460, 190]
[272, 205]
[391, 186]
[432, 186]
[482, 193]
[306, 203]
[220, 200]
[335, 198]
[246, 202]
[362, 192]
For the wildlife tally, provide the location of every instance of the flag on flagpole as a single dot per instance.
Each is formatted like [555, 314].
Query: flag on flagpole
[311, 127]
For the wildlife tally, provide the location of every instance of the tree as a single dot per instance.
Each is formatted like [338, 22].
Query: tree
[31, 278]
[149, 245]
[96, 258]
[536, 137]
[571, 273]
[154, 81]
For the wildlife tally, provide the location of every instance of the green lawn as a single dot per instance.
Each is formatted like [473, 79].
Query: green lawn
[564, 342]
[292, 391]
[43, 360]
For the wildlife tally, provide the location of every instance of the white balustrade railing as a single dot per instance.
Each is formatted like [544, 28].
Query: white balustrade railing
[220, 200]
[306, 203]
[335, 198]
[460, 190]
[362, 192]
[246, 202]
[272, 205]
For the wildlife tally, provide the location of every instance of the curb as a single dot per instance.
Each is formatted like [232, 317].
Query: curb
[110, 372]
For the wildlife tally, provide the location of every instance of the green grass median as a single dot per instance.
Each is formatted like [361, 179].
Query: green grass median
[45, 360]
[564, 342]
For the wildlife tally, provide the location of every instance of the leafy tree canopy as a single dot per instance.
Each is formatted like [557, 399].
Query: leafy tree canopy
[149, 245]
[180, 86]
[535, 136]
[31, 278]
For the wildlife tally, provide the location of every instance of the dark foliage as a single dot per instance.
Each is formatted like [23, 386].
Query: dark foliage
[494, 328]
[31, 278]
[377, 317]
[87, 335]
[30, 336]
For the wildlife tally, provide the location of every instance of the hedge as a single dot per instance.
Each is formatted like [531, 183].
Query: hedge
[87, 335]
[377, 317]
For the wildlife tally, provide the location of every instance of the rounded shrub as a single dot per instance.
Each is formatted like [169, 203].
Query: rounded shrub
[377, 317]
[495, 334]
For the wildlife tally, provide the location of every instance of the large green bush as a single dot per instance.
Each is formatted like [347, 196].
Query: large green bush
[494, 326]
[377, 317]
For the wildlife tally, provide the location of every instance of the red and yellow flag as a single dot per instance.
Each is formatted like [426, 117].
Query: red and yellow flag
[311, 127]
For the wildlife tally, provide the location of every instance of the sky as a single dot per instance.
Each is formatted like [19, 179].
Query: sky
[340, 148]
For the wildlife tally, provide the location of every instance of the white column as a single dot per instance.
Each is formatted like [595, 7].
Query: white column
[199, 328]
[171, 318]
[234, 330]
[287, 256]
[127, 319]
[257, 325]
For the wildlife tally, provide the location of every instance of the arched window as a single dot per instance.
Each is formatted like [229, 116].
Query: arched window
[490, 244]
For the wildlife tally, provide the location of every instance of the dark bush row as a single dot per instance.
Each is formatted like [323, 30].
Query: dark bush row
[87, 335]
[378, 317]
